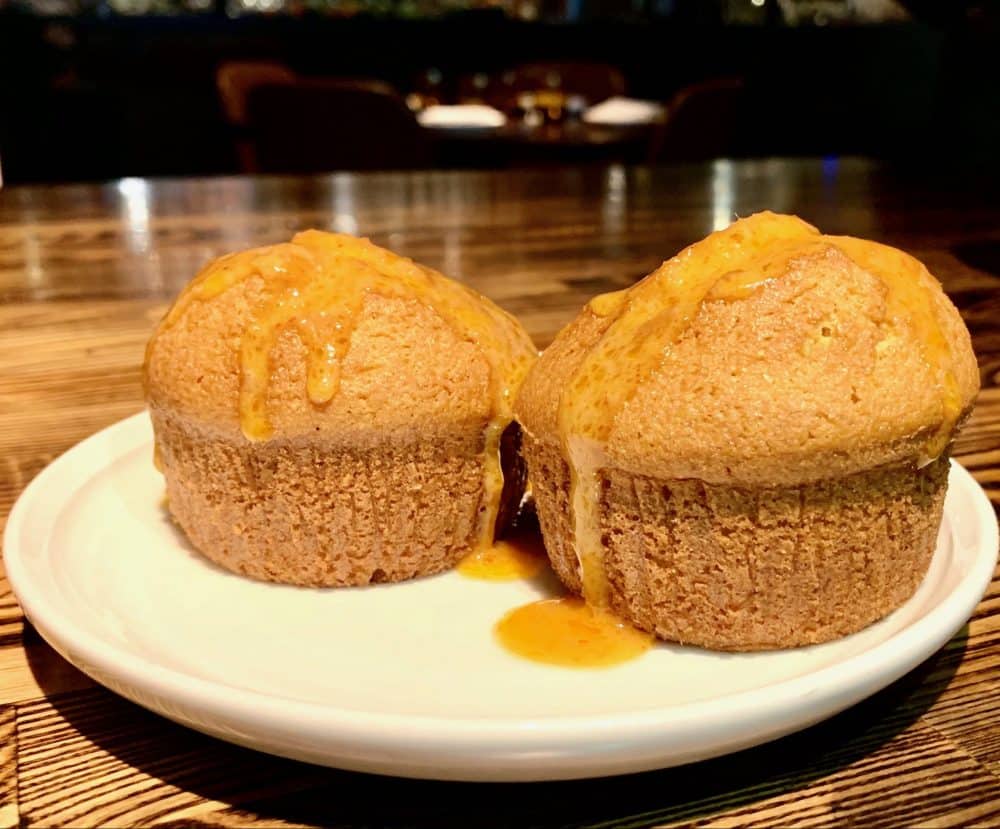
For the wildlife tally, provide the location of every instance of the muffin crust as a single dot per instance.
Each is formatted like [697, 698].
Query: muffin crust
[765, 362]
[750, 568]
[329, 413]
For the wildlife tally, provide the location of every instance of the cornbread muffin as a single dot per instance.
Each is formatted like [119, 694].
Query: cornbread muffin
[749, 448]
[329, 413]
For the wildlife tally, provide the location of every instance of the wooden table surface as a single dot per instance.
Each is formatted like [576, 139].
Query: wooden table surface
[86, 270]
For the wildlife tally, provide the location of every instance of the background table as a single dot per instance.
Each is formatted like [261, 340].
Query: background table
[519, 144]
[86, 271]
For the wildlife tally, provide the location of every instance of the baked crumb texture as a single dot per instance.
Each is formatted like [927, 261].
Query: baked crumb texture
[385, 481]
[776, 474]
[307, 515]
[750, 567]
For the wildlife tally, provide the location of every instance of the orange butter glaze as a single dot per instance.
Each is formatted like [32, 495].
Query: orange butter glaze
[564, 631]
[644, 321]
[571, 633]
[316, 286]
[517, 557]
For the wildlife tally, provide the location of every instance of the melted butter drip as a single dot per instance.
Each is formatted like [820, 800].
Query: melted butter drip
[571, 633]
[517, 557]
[316, 286]
[646, 320]
[761, 268]
[322, 313]
[157, 456]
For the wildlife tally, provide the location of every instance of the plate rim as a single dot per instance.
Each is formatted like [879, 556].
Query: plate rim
[873, 668]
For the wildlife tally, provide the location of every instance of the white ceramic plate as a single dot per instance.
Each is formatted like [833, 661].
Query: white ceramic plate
[406, 679]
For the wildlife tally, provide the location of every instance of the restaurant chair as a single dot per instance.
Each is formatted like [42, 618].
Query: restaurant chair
[701, 122]
[234, 81]
[321, 124]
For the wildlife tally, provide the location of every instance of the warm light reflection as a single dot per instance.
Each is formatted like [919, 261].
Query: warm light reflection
[30, 238]
[344, 220]
[723, 197]
[33, 259]
[616, 185]
[135, 212]
[452, 264]
[615, 199]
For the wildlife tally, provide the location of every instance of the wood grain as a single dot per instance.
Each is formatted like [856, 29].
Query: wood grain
[86, 270]
[9, 816]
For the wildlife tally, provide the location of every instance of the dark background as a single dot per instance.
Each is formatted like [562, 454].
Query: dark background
[95, 96]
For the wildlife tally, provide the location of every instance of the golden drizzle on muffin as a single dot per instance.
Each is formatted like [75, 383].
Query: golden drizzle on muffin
[290, 313]
[695, 374]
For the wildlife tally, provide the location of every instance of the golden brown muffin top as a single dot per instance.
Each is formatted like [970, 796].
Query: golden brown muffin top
[767, 353]
[331, 333]
[331, 340]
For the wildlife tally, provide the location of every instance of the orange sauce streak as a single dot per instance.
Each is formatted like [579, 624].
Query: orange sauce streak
[648, 318]
[517, 557]
[316, 285]
[571, 633]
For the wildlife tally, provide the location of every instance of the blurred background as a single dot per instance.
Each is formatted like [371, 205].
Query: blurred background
[96, 89]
